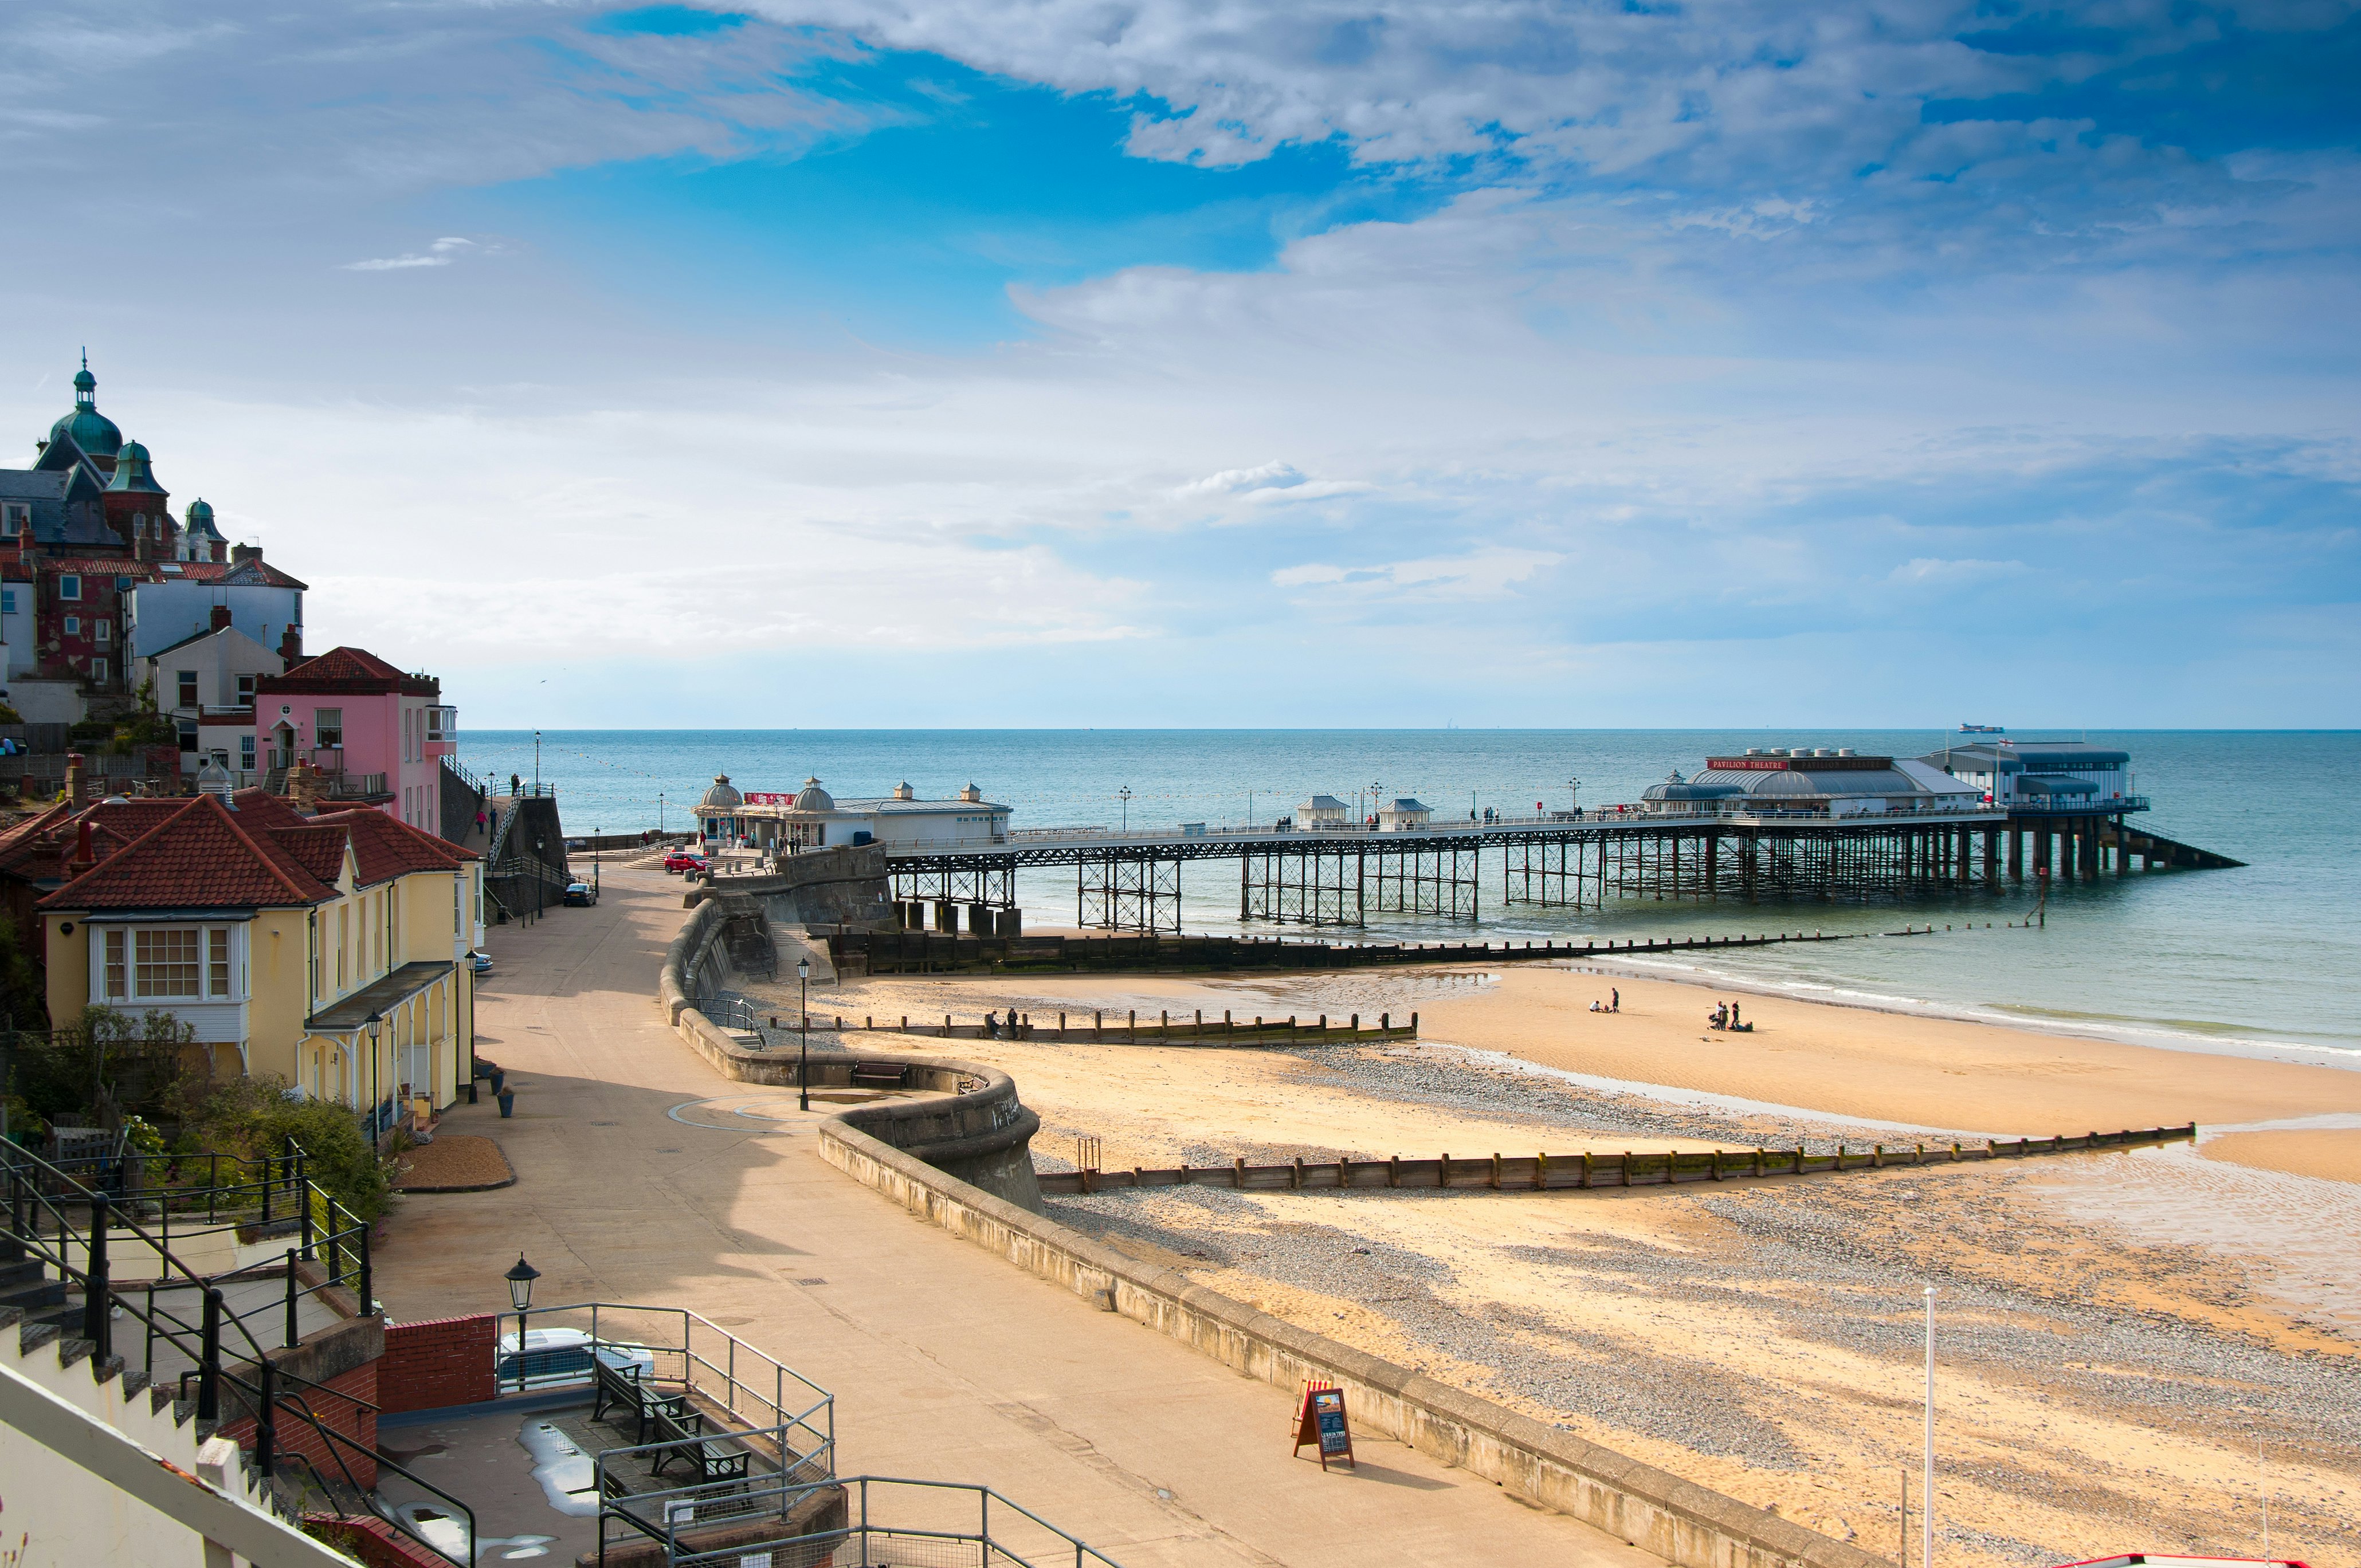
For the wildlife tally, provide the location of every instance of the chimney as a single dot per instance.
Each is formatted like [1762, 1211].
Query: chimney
[303, 788]
[291, 643]
[241, 554]
[73, 780]
[221, 618]
[84, 857]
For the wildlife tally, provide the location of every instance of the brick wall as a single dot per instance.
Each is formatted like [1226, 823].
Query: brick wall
[372, 1542]
[440, 1362]
[297, 1436]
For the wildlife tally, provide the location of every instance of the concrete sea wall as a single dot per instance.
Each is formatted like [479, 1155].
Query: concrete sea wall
[1675, 1519]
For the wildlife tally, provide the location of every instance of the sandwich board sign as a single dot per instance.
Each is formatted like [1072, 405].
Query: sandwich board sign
[1321, 1423]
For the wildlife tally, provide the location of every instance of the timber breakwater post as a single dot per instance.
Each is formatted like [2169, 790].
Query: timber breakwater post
[1589, 1172]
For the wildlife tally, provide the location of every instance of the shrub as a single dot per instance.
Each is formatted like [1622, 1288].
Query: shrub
[254, 1117]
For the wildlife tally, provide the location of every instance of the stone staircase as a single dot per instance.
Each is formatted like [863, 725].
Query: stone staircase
[44, 1352]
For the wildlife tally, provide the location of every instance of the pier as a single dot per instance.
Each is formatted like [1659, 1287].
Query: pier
[1341, 876]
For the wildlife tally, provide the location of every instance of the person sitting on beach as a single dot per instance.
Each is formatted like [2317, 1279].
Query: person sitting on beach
[1720, 1017]
[1597, 1006]
[991, 1026]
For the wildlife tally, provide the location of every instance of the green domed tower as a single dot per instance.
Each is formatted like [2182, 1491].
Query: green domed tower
[93, 433]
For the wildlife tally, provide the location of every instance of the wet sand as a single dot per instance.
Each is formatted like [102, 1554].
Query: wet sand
[2117, 1332]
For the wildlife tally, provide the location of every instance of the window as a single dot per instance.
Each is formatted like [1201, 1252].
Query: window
[188, 689]
[98, 672]
[102, 629]
[73, 626]
[327, 727]
[246, 691]
[138, 525]
[164, 963]
[13, 519]
[69, 586]
[188, 728]
[217, 962]
[245, 752]
[7, 601]
[115, 965]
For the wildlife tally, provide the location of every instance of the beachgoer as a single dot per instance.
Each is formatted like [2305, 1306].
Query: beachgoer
[1617, 1005]
[1733, 1014]
[992, 1027]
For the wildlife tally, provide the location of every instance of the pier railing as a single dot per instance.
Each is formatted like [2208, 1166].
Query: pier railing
[1630, 815]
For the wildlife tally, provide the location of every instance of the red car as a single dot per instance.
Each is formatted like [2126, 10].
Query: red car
[684, 860]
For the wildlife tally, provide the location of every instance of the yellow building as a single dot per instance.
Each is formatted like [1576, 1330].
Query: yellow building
[331, 950]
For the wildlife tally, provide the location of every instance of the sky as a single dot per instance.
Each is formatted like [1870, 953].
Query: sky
[1140, 363]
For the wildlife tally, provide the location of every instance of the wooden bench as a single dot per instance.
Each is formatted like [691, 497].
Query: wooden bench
[717, 1459]
[877, 1075]
[619, 1384]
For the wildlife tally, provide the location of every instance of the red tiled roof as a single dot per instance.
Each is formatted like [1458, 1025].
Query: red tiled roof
[38, 851]
[387, 847]
[258, 806]
[320, 850]
[200, 857]
[354, 670]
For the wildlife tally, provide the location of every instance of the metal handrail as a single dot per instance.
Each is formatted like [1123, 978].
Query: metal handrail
[860, 1525]
[758, 1364]
[24, 1172]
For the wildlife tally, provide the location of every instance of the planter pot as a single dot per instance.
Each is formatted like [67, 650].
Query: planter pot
[508, 1101]
[498, 1078]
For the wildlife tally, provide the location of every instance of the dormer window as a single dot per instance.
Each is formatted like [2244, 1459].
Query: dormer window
[15, 519]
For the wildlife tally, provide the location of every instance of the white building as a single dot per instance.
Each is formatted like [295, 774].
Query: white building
[2043, 775]
[206, 684]
[1323, 811]
[1403, 814]
[811, 818]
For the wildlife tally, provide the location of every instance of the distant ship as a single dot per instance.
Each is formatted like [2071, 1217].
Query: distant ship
[1983, 729]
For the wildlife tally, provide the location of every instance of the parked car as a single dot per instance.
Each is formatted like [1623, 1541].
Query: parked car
[574, 846]
[480, 961]
[684, 860]
[580, 897]
[556, 1356]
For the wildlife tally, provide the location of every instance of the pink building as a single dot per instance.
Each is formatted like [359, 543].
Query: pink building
[376, 735]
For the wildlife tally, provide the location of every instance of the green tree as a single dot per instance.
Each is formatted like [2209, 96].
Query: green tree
[254, 1117]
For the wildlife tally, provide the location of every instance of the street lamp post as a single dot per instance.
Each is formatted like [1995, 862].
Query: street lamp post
[803, 1019]
[1574, 795]
[521, 1280]
[1125, 793]
[1374, 788]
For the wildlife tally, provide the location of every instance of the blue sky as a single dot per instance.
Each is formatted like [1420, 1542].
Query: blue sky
[1041, 363]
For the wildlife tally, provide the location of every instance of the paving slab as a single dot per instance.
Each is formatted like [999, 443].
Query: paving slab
[644, 1177]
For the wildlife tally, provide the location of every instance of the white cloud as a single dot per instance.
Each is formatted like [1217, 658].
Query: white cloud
[395, 263]
[1930, 572]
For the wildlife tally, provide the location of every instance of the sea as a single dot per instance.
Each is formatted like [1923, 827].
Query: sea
[2261, 960]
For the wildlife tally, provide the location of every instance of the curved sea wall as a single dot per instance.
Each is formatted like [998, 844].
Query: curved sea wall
[846, 884]
[971, 1126]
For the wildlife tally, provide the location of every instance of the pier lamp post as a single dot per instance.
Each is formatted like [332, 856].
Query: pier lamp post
[521, 1280]
[1574, 795]
[1374, 788]
[1125, 793]
[803, 1017]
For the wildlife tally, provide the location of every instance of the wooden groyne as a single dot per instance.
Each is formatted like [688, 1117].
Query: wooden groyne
[1126, 1029]
[1537, 1173]
[954, 952]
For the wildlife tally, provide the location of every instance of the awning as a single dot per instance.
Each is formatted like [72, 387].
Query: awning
[2054, 784]
[373, 1002]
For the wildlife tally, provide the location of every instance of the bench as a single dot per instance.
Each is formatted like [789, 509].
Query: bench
[877, 1075]
[618, 1383]
[717, 1459]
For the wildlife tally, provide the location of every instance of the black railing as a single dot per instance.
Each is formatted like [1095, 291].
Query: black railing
[40, 1201]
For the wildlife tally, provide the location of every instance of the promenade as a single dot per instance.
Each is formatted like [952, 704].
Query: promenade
[946, 1363]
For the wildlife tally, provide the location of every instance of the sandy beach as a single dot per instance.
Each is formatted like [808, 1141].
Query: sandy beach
[2119, 1332]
